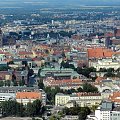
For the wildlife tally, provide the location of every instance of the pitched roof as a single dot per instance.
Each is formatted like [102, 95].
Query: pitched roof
[99, 79]
[99, 53]
[115, 97]
[28, 95]
[88, 94]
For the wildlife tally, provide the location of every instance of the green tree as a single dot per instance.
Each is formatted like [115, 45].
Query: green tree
[118, 70]
[29, 110]
[64, 64]
[80, 89]
[1, 83]
[22, 82]
[4, 68]
[82, 112]
[7, 83]
[118, 74]
[40, 85]
[34, 109]
[89, 88]
[109, 74]
[11, 108]
[103, 70]
[94, 107]
[85, 71]
[110, 70]
[20, 110]
[15, 83]
[37, 107]
[53, 118]
[51, 93]
[11, 62]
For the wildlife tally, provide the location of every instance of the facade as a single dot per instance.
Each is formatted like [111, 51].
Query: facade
[105, 63]
[81, 99]
[7, 96]
[61, 99]
[88, 99]
[63, 84]
[115, 97]
[71, 104]
[44, 96]
[107, 112]
[22, 94]
[26, 97]
[70, 117]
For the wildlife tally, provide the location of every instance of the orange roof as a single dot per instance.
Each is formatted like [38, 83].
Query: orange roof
[99, 53]
[99, 79]
[25, 53]
[66, 82]
[115, 97]
[88, 94]
[28, 95]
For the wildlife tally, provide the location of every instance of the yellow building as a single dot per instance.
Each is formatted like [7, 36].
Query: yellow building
[61, 99]
[81, 99]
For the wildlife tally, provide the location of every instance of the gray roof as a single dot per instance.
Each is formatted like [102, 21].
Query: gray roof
[17, 60]
[106, 106]
[16, 89]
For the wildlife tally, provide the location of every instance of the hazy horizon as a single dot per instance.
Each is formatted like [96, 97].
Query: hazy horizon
[57, 3]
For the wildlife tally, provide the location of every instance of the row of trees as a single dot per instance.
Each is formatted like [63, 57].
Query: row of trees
[56, 35]
[13, 108]
[82, 112]
[87, 70]
[4, 68]
[52, 92]
[12, 83]
[87, 88]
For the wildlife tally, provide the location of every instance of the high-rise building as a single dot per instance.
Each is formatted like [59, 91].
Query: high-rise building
[1, 38]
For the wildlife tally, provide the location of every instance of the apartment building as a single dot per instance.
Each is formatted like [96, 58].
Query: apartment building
[107, 112]
[81, 99]
[105, 63]
[61, 99]
[7, 96]
[26, 97]
[87, 99]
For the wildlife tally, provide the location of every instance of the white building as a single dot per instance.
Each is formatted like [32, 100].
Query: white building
[26, 97]
[105, 63]
[81, 99]
[7, 96]
[70, 117]
[107, 112]
[61, 99]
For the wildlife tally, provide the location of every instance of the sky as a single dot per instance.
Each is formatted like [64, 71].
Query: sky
[24, 3]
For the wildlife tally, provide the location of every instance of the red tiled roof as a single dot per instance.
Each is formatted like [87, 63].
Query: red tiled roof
[88, 94]
[99, 53]
[115, 97]
[99, 79]
[28, 95]
[25, 53]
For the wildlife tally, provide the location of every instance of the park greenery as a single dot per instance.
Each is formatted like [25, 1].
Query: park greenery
[13, 108]
[82, 112]
[110, 72]
[51, 92]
